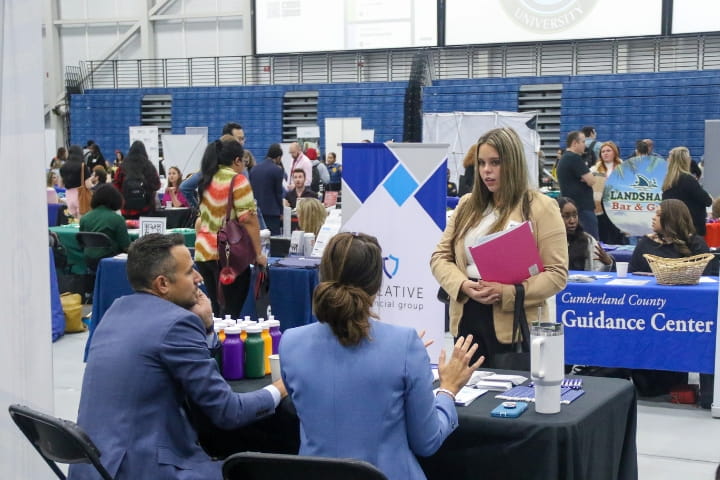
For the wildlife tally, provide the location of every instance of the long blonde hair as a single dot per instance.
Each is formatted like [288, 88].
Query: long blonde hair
[311, 215]
[513, 184]
[678, 163]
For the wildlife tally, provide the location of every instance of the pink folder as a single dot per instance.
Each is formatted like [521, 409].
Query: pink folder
[508, 257]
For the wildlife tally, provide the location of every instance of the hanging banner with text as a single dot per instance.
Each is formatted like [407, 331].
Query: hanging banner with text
[396, 192]
[635, 323]
[633, 192]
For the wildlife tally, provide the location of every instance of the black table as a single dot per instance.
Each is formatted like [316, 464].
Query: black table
[592, 438]
[177, 217]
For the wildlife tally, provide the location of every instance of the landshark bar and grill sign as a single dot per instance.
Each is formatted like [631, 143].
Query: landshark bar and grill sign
[633, 192]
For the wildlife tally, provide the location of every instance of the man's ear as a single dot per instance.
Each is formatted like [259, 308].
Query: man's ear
[161, 285]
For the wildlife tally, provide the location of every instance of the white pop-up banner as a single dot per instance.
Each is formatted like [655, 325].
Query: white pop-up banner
[396, 192]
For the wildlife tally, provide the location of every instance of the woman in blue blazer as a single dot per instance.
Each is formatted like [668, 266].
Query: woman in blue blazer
[362, 388]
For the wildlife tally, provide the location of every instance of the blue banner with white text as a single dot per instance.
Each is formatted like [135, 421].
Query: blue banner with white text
[635, 323]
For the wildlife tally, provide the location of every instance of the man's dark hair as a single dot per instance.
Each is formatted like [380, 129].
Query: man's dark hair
[100, 173]
[229, 127]
[572, 137]
[107, 195]
[149, 257]
[274, 151]
[642, 148]
[588, 131]
[299, 170]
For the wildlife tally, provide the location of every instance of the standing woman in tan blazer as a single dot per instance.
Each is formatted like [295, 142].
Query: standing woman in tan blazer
[501, 197]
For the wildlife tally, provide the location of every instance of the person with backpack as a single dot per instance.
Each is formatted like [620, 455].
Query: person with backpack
[320, 174]
[592, 146]
[138, 181]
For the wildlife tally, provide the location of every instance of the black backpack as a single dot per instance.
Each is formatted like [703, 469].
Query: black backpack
[589, 155]
[133, 191]
[315, 183]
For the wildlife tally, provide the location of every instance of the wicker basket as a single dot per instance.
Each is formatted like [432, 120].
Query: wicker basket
[678, 271]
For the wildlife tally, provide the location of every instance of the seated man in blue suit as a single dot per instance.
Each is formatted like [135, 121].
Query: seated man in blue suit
[148, 355]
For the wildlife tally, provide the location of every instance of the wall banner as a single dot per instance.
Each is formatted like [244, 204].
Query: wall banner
[396, 192]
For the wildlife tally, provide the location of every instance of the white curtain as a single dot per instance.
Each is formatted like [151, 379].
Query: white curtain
[462, 129]
[25, 343]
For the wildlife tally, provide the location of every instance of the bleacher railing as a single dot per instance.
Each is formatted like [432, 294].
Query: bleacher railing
[608, 56]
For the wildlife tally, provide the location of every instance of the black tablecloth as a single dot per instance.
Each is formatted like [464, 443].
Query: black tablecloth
[592, 438]
[177, 217]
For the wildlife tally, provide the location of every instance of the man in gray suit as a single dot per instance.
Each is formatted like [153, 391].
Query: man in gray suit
[149, 355]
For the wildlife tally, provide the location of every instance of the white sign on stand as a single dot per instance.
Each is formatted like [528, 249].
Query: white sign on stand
[148, 134]
[152, 225]
[184, 152]
[309, 131]
[396, 192]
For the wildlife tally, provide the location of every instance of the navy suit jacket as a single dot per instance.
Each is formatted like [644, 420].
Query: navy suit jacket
[266, 180]
[373, 401]
[146, 357]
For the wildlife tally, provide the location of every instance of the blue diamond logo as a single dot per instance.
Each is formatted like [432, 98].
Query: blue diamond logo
[400, 185]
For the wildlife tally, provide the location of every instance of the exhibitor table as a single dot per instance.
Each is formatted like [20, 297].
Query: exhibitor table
[290, 293]
[635, 323]
[592, 438]
[76, 259]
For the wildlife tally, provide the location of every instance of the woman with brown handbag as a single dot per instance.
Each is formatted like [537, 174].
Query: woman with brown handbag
[221, 168]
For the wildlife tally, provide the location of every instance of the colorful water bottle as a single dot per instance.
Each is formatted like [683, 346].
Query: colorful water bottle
[254, 352]
[265, 335]
[233, 354]
[275, 334]
[217, 352]
[219, 327]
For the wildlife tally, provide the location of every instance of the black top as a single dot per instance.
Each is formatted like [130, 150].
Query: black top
[292, 197]
[70, 173]
[467, 180]
[692, 194]
[570, 169]
[647, 244]
[94, 161]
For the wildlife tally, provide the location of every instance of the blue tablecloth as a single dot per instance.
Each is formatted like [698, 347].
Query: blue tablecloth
[53, 209]
[56, 311]
[290, 293]
[621, 253]
[614, 324]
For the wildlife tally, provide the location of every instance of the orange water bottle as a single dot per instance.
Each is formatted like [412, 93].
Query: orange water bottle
[267, 339]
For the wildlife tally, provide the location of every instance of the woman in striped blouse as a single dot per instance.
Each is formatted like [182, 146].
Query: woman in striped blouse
[221, 163]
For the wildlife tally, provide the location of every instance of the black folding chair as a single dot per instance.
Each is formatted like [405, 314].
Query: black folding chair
[272, 466]
[57, 440]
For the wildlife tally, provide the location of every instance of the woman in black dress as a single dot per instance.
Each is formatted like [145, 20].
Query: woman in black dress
[681, 184]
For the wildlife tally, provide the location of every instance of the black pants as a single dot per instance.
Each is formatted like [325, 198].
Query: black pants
[234, 294]
[477, 319]
[273, 223]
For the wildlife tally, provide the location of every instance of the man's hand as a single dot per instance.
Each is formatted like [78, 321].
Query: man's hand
[203, 309]
[281, 388]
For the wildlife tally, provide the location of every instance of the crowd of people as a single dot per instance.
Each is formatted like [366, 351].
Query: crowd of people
[396, 415]
[260, 191]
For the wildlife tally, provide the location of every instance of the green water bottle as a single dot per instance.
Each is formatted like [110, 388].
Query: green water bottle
[254, 353]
